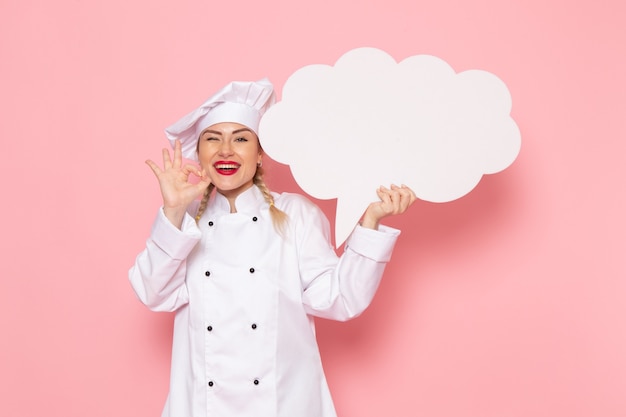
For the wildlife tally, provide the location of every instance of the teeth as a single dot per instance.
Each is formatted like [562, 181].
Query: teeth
[227, 166]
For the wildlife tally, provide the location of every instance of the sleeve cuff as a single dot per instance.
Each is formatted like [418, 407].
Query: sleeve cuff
[174, 242]
[374, 244]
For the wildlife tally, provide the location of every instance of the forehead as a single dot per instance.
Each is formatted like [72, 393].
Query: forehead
[227, 127]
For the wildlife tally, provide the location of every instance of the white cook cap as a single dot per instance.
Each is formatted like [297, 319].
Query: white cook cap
[242, 102]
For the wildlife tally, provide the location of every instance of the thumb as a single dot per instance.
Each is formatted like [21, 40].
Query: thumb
[204, 182]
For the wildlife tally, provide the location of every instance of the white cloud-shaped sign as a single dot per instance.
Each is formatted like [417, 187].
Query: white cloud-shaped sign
[368, 121]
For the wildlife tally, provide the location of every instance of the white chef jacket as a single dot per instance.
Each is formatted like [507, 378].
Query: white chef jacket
[244, 337]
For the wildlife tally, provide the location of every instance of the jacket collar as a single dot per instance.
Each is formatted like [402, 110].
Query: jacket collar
[250, 202]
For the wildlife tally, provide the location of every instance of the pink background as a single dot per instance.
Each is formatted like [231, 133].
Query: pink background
[507, 302]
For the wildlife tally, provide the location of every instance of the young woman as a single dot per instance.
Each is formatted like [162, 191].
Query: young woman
[246, 269]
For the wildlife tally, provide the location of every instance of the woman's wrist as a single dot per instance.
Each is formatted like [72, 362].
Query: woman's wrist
[175, 215]
[369, 222]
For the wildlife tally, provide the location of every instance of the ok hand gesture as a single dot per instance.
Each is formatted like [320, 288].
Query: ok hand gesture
[177, 191]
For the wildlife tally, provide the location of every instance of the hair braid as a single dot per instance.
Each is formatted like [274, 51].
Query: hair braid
[204, 201]
[279, 217]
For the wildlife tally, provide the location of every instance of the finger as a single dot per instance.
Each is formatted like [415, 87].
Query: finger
[177, 154]
[167, 161]
[204, 177]
[202, 185]
[387, 203]
[394, 197]
[401, 200]
[154, 167]
[407, 197]
[192, 169]
[383, 194]
[412, 196]
[408, 188]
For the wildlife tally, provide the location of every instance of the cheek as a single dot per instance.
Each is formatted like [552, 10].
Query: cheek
[204, 154]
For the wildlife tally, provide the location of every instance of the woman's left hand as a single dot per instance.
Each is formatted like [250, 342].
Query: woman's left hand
[394, 200]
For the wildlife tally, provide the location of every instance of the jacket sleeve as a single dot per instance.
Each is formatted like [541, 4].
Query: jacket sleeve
[341, 288]
[158, 275]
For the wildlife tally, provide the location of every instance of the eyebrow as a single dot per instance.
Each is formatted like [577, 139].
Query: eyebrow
[215, 132]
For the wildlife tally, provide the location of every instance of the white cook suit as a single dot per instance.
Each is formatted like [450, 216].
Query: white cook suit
[244, 337]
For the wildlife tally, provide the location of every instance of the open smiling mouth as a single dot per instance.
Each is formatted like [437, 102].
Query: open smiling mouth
[226, 168]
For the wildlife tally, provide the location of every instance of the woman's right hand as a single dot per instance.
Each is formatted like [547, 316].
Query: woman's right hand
[177, 191]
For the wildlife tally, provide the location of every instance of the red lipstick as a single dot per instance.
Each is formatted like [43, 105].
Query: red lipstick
[226, 167]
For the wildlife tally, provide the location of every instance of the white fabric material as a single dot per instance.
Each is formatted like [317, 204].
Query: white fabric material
[258, 292]
[241, 102]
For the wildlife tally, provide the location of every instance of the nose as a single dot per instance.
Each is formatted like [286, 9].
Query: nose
[225, 148]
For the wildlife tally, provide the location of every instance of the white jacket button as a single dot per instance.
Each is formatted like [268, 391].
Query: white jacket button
[252, 270]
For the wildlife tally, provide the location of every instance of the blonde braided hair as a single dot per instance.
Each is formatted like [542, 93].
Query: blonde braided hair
[279, 217]
[204, 201]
